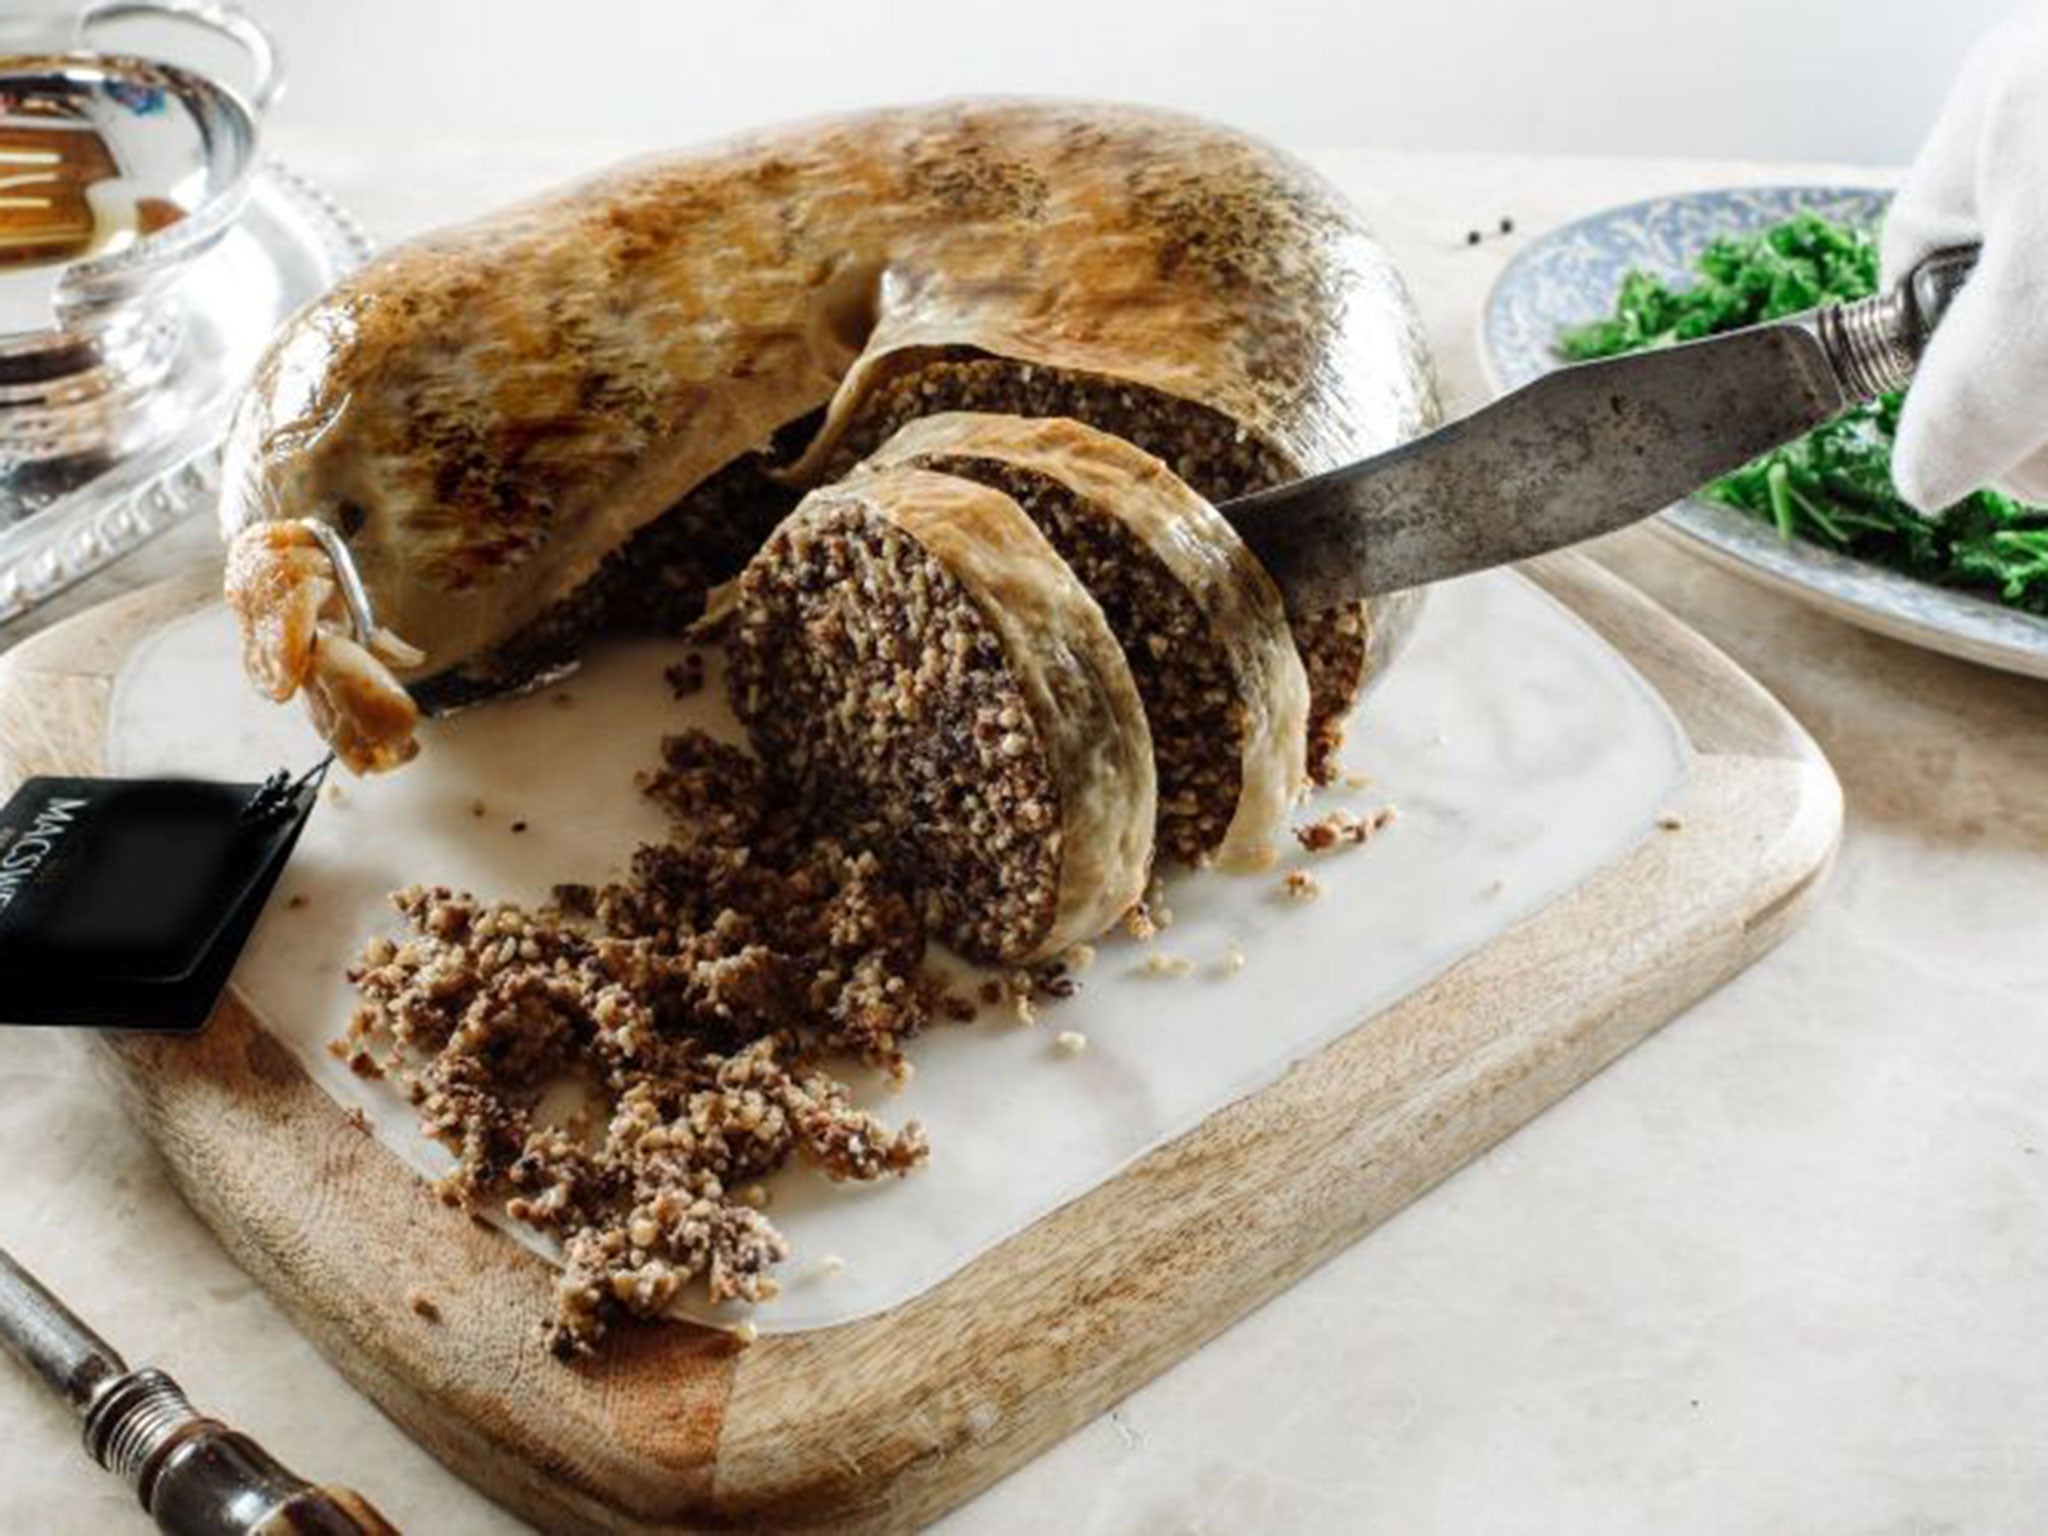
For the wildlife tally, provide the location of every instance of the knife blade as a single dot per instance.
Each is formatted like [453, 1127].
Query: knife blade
[1586, 449]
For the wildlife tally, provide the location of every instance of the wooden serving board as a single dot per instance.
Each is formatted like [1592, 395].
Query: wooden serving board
[884, 1422]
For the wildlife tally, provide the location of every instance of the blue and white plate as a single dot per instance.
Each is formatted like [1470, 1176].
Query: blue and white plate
[1570, 276]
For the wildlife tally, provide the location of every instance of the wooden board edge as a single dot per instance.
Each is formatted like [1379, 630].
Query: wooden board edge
[54, 687]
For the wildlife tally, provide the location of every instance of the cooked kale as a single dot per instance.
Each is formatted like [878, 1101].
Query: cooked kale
[1834, 485]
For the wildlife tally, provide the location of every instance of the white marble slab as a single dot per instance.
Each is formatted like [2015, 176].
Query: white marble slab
[1520, 751]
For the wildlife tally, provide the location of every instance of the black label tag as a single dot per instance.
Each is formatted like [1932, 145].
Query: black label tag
[124, 902]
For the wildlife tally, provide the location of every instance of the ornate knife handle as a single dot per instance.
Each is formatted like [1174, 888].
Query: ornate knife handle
[1875, 343]
[194, 1475]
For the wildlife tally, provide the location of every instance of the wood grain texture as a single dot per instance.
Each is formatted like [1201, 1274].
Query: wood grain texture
[879, 1424]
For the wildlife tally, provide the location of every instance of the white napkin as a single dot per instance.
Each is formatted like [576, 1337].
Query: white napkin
[1977, 412]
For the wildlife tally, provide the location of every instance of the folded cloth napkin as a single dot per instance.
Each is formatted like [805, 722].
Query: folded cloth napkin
[1977, 412]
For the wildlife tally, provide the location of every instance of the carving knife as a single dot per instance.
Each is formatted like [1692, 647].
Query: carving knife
[1588, 448]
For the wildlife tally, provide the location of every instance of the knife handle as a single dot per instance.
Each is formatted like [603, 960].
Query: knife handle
[197, 1477]
[1875, 343]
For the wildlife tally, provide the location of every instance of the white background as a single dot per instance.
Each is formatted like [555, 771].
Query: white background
[1855, 80]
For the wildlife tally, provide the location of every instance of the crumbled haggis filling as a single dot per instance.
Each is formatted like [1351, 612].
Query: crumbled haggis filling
[686, 677]
[1019, 992]
[1149, 916]
[1300, 885]
[1341, 829]
[695, 1000]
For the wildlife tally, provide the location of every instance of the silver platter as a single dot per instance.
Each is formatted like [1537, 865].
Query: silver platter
[290, 244]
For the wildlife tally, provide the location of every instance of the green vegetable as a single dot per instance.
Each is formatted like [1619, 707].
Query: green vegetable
[1834, 485]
